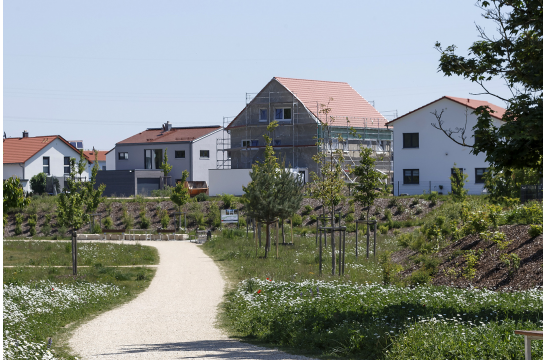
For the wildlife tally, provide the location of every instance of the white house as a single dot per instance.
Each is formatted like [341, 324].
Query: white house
[101, 158]
[110, 159]
[424, 156]
[27, 156]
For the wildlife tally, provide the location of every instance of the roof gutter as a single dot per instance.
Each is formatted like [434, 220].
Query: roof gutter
[23, 166]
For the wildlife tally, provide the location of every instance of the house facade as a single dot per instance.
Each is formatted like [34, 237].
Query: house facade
[188, 148]
[101, 158]
[27, 156]
[307, 111]
[425, 157]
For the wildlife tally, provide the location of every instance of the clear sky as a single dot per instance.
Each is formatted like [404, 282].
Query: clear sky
[101, 71]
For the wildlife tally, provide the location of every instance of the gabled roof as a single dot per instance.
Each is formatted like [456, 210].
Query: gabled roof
[340, 97]
[471, 103]
[176, 134]
[101, 154]
[19, 150]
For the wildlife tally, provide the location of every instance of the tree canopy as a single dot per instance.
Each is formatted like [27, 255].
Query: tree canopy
[368, 179]
[516, 56]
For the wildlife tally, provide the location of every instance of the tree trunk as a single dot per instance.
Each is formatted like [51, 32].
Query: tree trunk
[267, 243]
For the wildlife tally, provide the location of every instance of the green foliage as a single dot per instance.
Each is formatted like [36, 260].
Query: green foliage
[313, 218]
[512, 261]
[368, 178]
[229, 201]
[165, 166]
[394, 201]
[432, 197]
[38, 183]
[388, 215]
[92, 197]
[457, 182]
[32, 220]
[46, 229]
[535, 230]
[506, 183]
[349, 218]
[516, 56]
[389, 269]
[529, 213]
[165, 219]
[297, 220]
[307, 210]
[18, 224]
[14, 196]
[383, 229]
[472, 259]
[96, 229]
[180, 194]
[128, 221]
[145, 222]
[400, 209]
[107, 222]
[202, 197]
[214, 216]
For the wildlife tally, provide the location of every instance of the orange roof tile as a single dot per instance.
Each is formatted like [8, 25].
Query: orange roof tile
[174, 135]
[471, 103]
[19, 150]
[101, 154]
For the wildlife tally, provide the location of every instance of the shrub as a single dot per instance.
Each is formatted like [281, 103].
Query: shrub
[96, 229]
[32, 224]
[400, 209]
[471, 258]
[419, 277]
[432, 197]
[297, 220]
[352, 209]
[351, 227]
[107, 222]
[144, 220]
[313, 218]
[377, 211]
[397, 232]
[18, 224]
[165, 219]
[393, 202]
[535, 230]
[242, 221]
[512, 261]
[389, 269]
[383, 229]
[38, 183]
[414, 202]
[388, 214]
[307, 210]
[201, 197]
[61, 231]
[349, 218]
[418, 210]
[46, 229]
[229, 200]
[214, 217]
[128, 221]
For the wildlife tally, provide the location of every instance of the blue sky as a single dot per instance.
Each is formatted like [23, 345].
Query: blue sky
[102, 71]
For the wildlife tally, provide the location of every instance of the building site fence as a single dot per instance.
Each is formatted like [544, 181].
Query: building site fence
[531, 192]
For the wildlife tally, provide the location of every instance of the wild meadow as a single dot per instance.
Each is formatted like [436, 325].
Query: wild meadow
[42, 303]
[368, 312]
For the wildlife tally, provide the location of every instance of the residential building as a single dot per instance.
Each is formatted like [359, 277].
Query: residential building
[27, 156]
[308, 112]
[425, 156]
[188, 148]
[101, 157]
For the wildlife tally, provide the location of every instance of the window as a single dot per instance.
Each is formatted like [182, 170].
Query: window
[179, 154]
[410, 140]
[262, 114]
[255, 142]
[123, 156]
[282, 114]
[277, 142]
[153, 158]
[104, 167]
[46, 165]
[245, 143]
[205, 154]
[411, 176]
[479, 172]
[67, 164]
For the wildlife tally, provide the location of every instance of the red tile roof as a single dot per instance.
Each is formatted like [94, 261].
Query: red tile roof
[174, 135]
[340, 97]
[471, 103]
[19, 150]
[101, 154]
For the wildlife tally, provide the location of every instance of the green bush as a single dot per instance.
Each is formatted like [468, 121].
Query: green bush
[18, 224]
[419, 277]
[351, 227]
[128, 221]
[383, 229]
[535, 230]
[400, 209]
[61, 231]
[242, 221]
[388, 214]
[214, 217]
[145, 222]
[201, 197]
[229, 200]
[389, 269]
[38, 183]
[107, 222]
[313, 218]
[393, 202]
[306, 210]
[46, 229]
[297, 220]
[165, 220]
[32, 220]
[96, 229]
[432, 197]
[349, 218]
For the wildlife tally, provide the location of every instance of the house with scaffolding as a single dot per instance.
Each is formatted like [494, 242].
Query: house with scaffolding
[309, 112]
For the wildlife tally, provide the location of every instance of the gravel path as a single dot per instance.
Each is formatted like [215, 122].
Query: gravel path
[174, 318]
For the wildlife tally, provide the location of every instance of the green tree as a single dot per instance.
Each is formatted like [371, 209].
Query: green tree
[273, 193]
[14, 196]
[38, 183]
[70, 203]
[165, 166]
[516, 56]
[457, 182]
[506, 183]
[180, 194]
[93, 196]
[368, 179]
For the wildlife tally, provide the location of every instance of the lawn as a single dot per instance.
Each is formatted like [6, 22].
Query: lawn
[48, 302]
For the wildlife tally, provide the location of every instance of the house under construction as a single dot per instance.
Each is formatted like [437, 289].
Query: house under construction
[309, 112]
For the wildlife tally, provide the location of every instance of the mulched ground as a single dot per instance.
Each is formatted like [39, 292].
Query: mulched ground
[491, 273]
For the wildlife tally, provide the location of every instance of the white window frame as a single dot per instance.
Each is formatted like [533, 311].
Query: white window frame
[246, 141]
[283, 113]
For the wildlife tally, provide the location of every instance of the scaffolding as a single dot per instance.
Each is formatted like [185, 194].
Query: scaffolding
[353, 131]
[223, 155]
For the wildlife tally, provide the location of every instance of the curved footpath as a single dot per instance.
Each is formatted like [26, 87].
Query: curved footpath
[174, 318]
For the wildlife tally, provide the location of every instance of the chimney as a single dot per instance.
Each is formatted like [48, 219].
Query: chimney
[168, 126]
[25, 134]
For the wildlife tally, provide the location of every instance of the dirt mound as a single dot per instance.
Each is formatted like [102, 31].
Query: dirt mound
[490, 271]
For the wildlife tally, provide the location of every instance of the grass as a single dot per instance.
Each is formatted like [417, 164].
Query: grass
[285, 303]
[41, 253]
[42, 302]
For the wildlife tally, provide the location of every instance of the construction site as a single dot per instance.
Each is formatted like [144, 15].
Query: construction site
[313, 116]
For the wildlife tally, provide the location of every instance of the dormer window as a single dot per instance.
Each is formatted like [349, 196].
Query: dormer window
[282, 114]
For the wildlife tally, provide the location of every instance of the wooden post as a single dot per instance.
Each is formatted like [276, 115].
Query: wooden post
[321, 252]
[291, 227]
[375, 242]
[283, 235]
[74, 253]
[356, 240]
[367, 223]
[277, 229]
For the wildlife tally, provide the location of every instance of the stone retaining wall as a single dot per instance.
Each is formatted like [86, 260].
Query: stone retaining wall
[132, 237]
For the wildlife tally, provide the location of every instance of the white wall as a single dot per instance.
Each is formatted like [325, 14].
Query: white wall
[436, 153]
[228, 181]
[110, 160]
[201, 167]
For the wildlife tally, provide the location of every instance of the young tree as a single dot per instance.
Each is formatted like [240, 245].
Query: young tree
[274, 192]
[368, 179]
[93, 196]
[457, 181]
[516, 56]
[70, 202]
[38, 183]
[14, 196]
[180, 194]
[165, 166]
